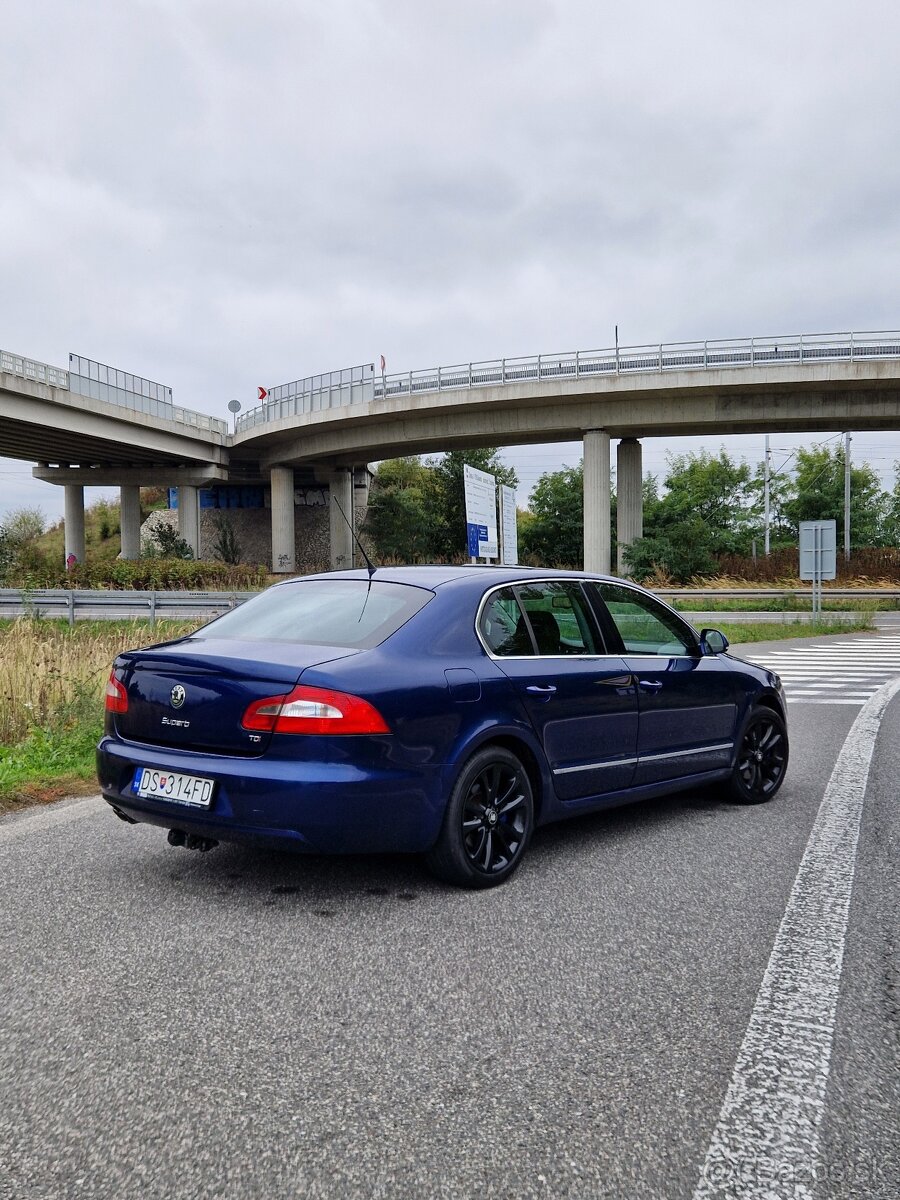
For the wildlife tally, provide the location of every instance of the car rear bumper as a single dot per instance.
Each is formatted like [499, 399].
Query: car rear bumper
[317, 807]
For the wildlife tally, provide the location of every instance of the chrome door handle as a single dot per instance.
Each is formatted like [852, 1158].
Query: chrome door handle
[650, 685]
[538, 690]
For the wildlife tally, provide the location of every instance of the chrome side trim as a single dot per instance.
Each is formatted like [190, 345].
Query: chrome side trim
[687, 753]
[615, 762]
[630, 762]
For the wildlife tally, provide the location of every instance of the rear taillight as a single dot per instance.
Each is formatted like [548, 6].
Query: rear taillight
[314, 710]
[116, 696]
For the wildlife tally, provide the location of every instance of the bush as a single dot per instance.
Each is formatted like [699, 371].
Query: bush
[172, 574]
[226, 546]
[167, 542]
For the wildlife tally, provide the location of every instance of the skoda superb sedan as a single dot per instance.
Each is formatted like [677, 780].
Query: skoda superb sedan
[445, 711]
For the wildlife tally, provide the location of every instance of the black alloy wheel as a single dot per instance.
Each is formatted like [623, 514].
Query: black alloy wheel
[488, 821]
[762, 758]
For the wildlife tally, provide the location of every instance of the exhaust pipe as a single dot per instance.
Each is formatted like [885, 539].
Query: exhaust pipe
[191, 841]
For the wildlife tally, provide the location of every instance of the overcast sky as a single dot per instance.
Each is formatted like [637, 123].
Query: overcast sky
[217, 195]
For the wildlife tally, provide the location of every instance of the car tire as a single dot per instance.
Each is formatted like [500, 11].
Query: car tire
[487, 824]
[761, 760]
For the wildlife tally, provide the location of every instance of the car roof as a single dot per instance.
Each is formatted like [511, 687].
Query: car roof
[439, 575]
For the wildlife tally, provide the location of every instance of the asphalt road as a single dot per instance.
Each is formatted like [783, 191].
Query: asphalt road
[241, 1024]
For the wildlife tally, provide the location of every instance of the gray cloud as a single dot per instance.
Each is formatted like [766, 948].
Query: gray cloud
[218, 195]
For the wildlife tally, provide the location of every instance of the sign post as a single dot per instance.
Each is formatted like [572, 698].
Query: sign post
[818, 557]
[481, 513]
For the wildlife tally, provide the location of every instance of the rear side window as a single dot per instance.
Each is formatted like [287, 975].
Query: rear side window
[503, 627]
[548, 618]
[353, 613]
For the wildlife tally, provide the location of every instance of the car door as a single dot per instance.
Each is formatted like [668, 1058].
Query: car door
[580, 700]
[688, 702]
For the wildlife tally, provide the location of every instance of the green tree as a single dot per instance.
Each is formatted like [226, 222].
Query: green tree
[707, 509]
[554, 534]
[892, 515]
[782, 532]
[20, 531]
[819, 496]
[400, 517]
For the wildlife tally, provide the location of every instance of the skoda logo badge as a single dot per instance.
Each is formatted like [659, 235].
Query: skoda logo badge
[177, 696]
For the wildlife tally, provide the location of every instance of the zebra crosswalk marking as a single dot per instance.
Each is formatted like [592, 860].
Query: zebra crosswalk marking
[847, 672]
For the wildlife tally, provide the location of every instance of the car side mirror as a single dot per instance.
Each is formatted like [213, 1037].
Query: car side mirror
[713, 641]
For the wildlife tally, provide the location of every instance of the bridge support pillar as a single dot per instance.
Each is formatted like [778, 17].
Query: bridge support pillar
[340, 512]
[596, 501]
[189, 516]
[74, 522]
[284, 561]
[360, 504]
[629, 498]
[130, 520]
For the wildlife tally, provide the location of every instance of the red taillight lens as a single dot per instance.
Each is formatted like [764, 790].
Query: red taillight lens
[116, 696]
[314, 710]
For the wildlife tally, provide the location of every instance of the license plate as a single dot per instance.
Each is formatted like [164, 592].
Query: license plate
[153, 784]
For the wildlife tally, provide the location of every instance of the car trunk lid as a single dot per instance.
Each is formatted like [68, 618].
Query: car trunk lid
[192, 695]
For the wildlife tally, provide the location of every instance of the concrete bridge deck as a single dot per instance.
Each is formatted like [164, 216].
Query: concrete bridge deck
[337, 422]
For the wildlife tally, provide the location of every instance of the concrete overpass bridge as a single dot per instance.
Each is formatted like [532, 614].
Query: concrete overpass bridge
[115, 432]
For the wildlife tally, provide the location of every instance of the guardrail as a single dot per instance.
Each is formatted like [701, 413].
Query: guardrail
[781, 350]
[112, 386]
[75, 602]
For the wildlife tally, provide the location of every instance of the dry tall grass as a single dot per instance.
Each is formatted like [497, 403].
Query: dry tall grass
[46, 668]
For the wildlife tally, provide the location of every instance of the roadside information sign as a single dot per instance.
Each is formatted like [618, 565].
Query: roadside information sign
[481, 512]
[818, 549]
[508, 532]
[818, 556]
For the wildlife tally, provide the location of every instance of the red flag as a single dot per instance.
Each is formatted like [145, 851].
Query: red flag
[383, 364]
[262, 393]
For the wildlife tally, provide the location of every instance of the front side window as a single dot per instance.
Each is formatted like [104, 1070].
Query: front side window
[646, 626]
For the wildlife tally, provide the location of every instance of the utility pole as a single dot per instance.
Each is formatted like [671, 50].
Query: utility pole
[847, 497]
[766, 497]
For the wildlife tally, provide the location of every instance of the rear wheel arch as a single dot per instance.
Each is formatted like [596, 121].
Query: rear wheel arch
[528, 759]
[488, 819]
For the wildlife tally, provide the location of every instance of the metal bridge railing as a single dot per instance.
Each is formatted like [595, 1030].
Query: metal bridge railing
[37, 372]
[113, 387]
[313, 395]
[316, 393]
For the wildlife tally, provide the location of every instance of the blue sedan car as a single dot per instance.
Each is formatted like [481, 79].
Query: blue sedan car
[445, 711]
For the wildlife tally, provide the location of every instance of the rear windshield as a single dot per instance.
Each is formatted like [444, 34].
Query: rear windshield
[356, 613]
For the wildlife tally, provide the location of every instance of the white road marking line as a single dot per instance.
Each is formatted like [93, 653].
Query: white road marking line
[765, 1144]
[46, 818]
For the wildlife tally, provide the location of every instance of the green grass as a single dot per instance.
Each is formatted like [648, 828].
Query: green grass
[51, 700]
[53, 759]
[789, 603]
[773, 631]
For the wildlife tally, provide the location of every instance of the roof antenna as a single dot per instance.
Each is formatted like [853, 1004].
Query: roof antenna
[359, 544]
